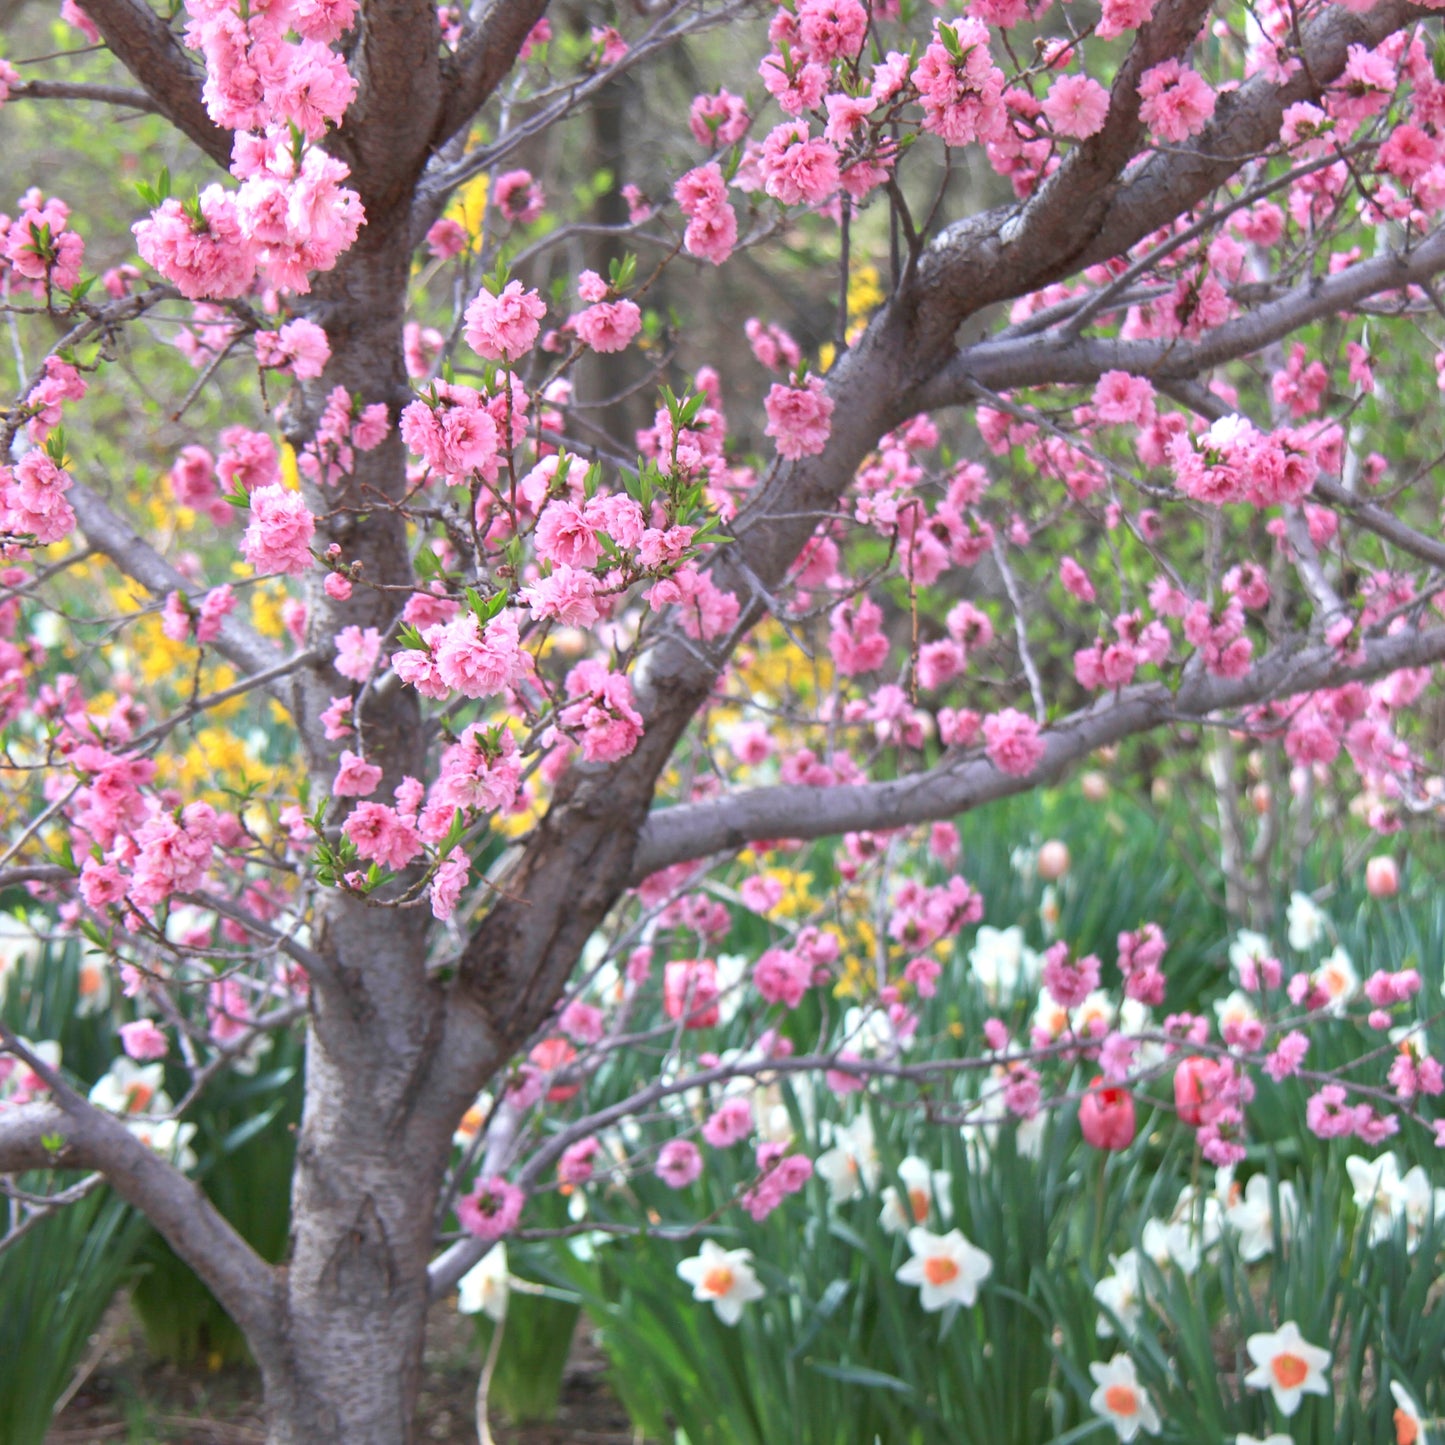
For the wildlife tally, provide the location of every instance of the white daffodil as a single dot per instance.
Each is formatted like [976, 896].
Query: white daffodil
[723, 1277]
[1306, 922]
[1029, 1136]
[732, 970]
[923, 1189]
[1376, 1183]
[472, 1121]
[483, 1289]
[851, 1165]
[1252, 1217]
[1288, 1366]
[1002, 962]
[1190, 1231]
[1119, 1399]
[1121, 1293]
[946, 1268]
[1275, 1439]
[169, 1138]
[1409, 1423]
[1419, 1202]
[92, 984]
[131, 1088]
[1337, 977]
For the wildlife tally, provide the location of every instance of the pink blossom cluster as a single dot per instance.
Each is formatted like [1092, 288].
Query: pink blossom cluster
[712, 224]
[39, 252]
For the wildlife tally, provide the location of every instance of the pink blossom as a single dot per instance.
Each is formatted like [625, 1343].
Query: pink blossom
[355, 777]
[492, 1209]
[205, 258]
[1069, 983]
[279, 537]
[1012, 742]
[729, 1124]
[601, 710]
[478, 662]
[799, 418]
[718, 120]
[712, 225]
[1177, 102]
[519, 197]
[782, 976]
[679, 1163]
[1076, 106]
[143, 1040]
[382, 835]
[1076, 580]
[575, 1167]
[690, 992]
[1120, 15]
[609, 326]
[356, 652]
[300, 347]
[1120, 397]
[797, 169]
[504, 327]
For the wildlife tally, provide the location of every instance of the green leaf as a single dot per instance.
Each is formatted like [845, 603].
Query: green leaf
[857, 1375]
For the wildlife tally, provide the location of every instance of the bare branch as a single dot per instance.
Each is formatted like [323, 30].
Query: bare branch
[487, 52]
[1052, 357]
[72, 1133]
[696, 830]
[102, 94]
[145, 45]
[111, 534]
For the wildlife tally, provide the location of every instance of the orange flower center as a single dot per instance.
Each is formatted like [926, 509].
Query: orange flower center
[1121, 1400]
[918, 1203]
[137, 1097]
[1407, 1431]
[1290, 1371]
[88, 982]
[718, 1280]
[939, 1269]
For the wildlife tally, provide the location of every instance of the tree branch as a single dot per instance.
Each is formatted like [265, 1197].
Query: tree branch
[144, 44]
[696, 830]
[72, 1133]
[1079, 218]
[1055, 357]
[111, 534]
[102, 94]
[487, 52]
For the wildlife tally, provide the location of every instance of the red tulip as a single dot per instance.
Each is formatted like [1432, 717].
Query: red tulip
[1196, 1084]
[550, 1056]
[1106, 1115]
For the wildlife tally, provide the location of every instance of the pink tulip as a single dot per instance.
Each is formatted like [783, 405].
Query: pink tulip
[1106, 1115]
[1382, 876]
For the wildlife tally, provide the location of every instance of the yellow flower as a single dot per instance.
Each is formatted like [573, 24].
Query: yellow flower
[469, 207]
[266, 603]
[290, 472]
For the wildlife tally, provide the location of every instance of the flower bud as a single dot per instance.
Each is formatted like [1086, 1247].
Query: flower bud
[1053, 860]
[1382, 876]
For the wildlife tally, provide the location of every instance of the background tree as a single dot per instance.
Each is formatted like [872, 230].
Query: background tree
[536, 646]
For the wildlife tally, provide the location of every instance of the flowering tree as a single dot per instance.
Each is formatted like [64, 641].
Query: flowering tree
[540, 693]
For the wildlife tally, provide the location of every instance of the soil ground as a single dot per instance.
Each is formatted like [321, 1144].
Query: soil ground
[129, 1398]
